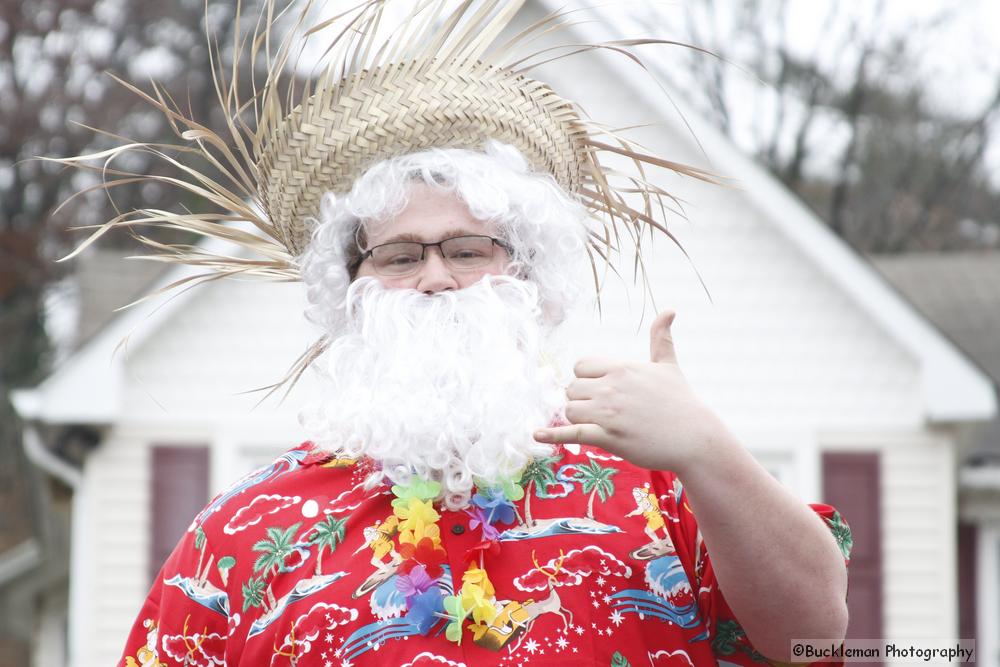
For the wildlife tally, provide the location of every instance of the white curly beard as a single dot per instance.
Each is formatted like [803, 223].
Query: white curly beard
[448, 387]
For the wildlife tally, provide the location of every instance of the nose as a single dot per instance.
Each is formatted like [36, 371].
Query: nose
[435, 275]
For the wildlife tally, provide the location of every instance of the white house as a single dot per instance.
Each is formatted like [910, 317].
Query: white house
[832, 379]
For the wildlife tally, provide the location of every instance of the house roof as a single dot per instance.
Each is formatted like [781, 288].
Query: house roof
[954, 388]
[959, 292]
[108, 281]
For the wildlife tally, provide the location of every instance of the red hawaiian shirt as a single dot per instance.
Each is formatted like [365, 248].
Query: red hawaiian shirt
[602, 563]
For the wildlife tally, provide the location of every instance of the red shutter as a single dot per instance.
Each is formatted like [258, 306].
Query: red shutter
[180, 491]
[968, 534]
[851, 484]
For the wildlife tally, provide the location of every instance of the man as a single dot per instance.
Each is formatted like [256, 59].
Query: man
[457, 503]
[424, 524]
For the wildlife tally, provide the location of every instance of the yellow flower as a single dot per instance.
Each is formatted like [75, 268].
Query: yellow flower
[412, 536]
[477, 576]
[416, 510]
[417, 520]
[474, 600]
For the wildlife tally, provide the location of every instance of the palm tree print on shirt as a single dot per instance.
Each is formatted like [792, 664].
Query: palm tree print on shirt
[842, 533]
[595, 480]
[199, 544]
[730, 637]
[538, 475]
[273, 552]
[327, 534]
[253, 592]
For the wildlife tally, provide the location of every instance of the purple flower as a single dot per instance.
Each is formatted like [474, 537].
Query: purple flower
[479, 519]
[414, 583]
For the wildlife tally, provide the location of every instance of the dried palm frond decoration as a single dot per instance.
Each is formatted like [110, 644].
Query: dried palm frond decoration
[437, 79]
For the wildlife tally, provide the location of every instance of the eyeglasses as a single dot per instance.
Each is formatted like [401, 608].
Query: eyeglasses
[402, 258]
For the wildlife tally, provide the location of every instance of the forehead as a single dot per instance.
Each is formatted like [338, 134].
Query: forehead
[431, 214]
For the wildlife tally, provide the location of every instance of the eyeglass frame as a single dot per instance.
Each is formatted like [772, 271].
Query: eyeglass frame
[423, 252]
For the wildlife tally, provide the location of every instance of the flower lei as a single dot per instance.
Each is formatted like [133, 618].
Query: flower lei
[423, 556]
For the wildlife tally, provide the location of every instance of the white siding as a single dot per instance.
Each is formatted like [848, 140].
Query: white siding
[919, 540]
[231, 338]
[115, 547]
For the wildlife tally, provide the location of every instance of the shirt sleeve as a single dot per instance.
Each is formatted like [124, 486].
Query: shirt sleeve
[185, 618]
[729, 642]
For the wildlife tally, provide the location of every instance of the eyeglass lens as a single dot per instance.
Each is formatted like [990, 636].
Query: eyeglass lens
[460, 252]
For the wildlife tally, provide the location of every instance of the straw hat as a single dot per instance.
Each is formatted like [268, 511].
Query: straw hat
[434, 79]
[333, 136]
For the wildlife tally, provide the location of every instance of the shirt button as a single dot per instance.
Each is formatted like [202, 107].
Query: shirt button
[458, 529]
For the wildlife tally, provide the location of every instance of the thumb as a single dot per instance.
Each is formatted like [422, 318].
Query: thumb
[661, 341]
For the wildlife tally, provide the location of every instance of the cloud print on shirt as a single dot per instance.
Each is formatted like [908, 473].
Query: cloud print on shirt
[576, 565]
[259, 507]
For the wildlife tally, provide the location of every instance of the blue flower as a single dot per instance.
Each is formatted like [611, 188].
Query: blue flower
[425, 609]
[495, 505]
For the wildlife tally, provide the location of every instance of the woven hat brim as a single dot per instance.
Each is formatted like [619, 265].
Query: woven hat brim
[332, 137]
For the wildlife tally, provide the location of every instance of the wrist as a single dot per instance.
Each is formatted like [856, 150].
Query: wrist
[711, 442]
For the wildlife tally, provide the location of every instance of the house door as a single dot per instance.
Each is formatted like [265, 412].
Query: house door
[180, 491]
[851, 484]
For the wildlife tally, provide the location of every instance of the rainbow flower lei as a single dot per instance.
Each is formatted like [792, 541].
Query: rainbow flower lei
[419, 546]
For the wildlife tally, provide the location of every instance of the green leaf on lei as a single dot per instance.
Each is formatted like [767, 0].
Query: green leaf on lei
[457, 614]
[510, 488]
[419, 489]
[512, 491]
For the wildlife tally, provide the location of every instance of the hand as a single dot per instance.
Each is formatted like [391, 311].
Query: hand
[644, 412]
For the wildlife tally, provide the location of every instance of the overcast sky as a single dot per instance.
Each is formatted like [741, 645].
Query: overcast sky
[960, 52]
[953, 47]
